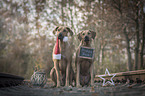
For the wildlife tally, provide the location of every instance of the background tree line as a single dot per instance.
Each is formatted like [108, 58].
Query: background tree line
[26, 38]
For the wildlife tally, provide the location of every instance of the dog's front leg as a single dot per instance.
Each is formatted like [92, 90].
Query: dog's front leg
[92, 74]
[78, 75]
[67, 74]
[56, 66]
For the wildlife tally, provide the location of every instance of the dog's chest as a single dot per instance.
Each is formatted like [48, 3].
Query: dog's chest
[85, 64]
[66, 52]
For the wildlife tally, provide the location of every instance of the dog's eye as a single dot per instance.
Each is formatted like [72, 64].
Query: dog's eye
[59, 29]
[89, 33]
[83, 33]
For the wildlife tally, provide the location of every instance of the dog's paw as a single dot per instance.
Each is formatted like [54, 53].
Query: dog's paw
[79, 86]
[53, 86]
[92, 85]
[58, 86]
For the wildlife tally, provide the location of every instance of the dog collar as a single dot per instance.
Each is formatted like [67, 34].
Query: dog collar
[65, 39]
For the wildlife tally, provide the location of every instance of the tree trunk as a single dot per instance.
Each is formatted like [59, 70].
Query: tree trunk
[143, 45]
[98, 55]
[137, 41]
[128, 50]
[62, 12]
[127, 39]
[103, 56]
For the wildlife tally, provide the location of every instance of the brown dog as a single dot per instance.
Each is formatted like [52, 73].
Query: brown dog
[62, 72]
[85, 71]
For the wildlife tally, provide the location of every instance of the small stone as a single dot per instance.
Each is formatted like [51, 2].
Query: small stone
[92, 89]
[67, 88]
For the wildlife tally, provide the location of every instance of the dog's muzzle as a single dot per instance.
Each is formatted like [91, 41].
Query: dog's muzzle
[60, 36]
[86, 39]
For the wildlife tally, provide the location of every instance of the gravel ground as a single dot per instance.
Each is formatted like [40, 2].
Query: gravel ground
[98, 90]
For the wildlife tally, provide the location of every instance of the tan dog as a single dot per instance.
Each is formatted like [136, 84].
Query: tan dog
[62, 72]
[85, 71]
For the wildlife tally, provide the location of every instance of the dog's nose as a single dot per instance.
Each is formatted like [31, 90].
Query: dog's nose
[86, 38]
[60, 36]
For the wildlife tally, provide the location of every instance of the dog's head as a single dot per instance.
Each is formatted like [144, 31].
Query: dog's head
[62, 32]
[86, 36]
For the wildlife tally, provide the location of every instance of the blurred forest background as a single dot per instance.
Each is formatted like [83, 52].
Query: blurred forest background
[26, 38]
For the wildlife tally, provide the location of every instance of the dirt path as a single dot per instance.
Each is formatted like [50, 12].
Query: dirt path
[98, 90]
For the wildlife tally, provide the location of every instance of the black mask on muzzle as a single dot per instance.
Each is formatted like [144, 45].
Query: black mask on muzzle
[86, 38]
[60, 36]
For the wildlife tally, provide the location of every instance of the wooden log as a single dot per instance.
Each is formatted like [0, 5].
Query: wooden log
[133, 76]
[7, 80]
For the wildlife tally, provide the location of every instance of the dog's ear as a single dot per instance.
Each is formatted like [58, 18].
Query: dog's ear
[70, 31]
[79, 36]
[93, 34]
[54, 31]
